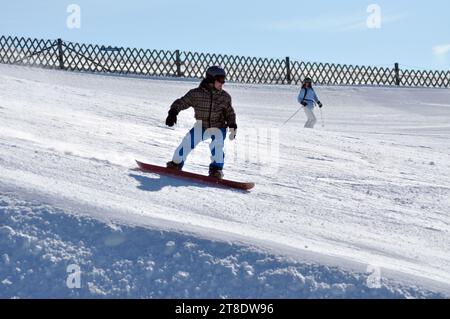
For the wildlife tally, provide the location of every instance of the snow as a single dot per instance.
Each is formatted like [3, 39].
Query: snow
[136, 262]
[368, 191]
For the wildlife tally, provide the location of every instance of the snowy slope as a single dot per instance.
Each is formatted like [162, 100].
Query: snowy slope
[370, 189]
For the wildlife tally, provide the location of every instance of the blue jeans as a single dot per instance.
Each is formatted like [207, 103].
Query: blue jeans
[197, 135]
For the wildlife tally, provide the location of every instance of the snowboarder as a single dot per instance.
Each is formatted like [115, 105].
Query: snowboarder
[214, 114]
[308, 97]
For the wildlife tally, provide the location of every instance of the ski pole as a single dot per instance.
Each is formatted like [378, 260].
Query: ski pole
[321, 116]
[292, 116]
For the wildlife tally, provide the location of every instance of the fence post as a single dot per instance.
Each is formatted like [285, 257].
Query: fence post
[288, 70]
[397, 74]
[60, 55]
[178, 63]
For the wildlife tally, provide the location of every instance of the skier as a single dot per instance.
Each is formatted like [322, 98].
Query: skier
[214, 114]
[307, 97]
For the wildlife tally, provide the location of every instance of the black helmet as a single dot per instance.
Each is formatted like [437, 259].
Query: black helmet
[307, 80]
[214, 72]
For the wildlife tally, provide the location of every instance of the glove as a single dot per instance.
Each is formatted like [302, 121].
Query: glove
[171, 118]
[232, 135]
[304, 103]
[233, 129]
[320, 104]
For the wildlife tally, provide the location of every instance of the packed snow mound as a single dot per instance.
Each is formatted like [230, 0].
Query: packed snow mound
[367, 189]
[41, 243]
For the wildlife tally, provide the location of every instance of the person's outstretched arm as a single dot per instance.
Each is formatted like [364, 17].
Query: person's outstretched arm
[179, 105]
[316, 99]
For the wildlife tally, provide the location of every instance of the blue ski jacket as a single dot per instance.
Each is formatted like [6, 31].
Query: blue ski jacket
[309, 96]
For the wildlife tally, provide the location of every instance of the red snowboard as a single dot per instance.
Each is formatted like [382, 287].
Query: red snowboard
[192, 176]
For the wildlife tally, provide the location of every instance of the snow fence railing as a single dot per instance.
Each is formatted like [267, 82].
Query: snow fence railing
[64, 55]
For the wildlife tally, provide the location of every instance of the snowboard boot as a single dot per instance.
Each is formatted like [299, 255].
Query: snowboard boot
[175, 166]
[215, 172]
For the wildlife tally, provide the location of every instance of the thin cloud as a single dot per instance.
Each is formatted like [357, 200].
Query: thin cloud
[441, 50]
[330, 23]
[441, 53]
[361, 24]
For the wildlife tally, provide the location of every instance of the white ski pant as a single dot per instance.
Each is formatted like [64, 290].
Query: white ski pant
[312, 120]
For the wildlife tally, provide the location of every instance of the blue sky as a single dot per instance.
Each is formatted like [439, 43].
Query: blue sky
[413, 33]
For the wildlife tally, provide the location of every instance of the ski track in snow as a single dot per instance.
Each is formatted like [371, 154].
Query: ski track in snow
[372, 188]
